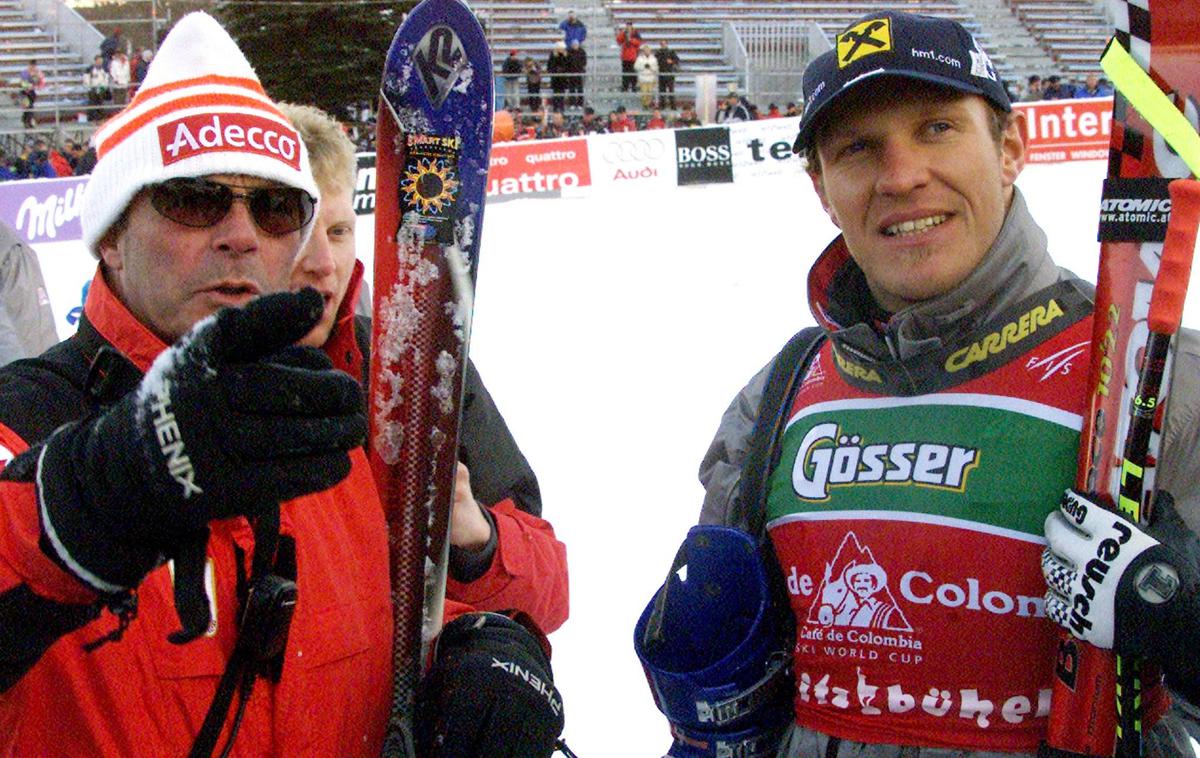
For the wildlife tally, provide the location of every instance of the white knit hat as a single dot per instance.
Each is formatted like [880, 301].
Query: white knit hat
[200, 111]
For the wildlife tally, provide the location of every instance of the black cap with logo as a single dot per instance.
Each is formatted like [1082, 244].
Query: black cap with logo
[889, 43]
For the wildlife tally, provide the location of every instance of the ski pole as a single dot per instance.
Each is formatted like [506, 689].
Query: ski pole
[1166, 312]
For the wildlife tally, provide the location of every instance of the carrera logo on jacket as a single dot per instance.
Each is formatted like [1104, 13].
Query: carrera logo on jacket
[829, 457]
[231, 132]
[166, 430]
[1001, 339]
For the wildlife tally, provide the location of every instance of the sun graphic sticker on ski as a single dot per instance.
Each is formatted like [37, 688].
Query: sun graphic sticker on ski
[433, 143]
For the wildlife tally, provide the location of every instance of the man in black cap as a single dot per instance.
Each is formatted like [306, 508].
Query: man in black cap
[933, 429]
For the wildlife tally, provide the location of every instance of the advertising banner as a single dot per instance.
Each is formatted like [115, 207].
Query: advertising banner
[764, 148]
[703, 155]
[364, 185]
[539, 167]
[632, 159]
[1067, 130]
[43, 210]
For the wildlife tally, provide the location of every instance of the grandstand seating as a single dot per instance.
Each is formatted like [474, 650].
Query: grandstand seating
[22, 39]
[692, 27]
[1073, 32]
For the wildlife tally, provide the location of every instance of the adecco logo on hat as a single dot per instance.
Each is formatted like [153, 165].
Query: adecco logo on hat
[228, 132]
[863, 39]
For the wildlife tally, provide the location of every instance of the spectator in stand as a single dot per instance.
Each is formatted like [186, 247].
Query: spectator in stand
[646, 67]
[587, 124]
[553, 127]
[792, 110]
[85, 159]
[35, 162]
[1054, 89]
[26, 321]
[533, 85]
[668, 66]
[773, 111]
[7, 170]
[118, 71]
[510, 82]
[733, 109]
[619, 121]
[140, 66]
[557, 66]
[111, 44]
[99, 88]
[573, 30]
[576, 67]
[57, 161]
[687, 117]
[31, 81]
[1094, 86]
[656, 120]
[1033, 89]
[630, 40]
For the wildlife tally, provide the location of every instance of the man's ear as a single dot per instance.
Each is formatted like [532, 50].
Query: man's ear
[110, 252]
[818, 182]
[1012, 148]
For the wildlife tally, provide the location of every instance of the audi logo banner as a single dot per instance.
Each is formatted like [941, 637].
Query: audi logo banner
[633, 159]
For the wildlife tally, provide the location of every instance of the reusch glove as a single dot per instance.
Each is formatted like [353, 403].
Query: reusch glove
[490, 693]
[227, 421]
[1117, 587]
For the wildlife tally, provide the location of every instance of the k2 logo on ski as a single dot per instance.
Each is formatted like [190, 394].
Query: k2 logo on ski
[829, 457]
[441, 61]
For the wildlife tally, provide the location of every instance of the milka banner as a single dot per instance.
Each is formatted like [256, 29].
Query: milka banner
[43, 210]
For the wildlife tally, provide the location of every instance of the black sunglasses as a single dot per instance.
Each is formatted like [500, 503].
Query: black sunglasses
[201, 203]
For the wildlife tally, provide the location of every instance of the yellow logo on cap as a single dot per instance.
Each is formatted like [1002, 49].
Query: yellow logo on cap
[860, 40]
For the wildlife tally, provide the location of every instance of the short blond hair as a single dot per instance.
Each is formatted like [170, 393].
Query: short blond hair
[330, 151]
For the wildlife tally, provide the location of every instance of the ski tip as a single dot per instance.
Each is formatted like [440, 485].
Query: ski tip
[1175, 267]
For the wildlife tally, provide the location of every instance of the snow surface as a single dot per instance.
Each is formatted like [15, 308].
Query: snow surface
[612, 331]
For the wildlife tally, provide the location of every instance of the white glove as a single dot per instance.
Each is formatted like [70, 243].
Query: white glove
[1113, 585]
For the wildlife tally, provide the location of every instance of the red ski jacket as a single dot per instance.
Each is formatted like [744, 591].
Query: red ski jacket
[142, 695]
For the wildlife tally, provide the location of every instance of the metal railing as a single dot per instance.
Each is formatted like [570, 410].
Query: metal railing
[771, 56]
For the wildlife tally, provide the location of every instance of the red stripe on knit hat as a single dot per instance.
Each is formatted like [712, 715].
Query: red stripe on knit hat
[213, 100]
[145, 94]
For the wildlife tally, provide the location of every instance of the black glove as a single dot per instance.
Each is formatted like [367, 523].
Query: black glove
[228, 421]
[489, 693]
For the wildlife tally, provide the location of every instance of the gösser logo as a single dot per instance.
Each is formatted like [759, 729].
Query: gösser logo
[620, 151]
[829, 457]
